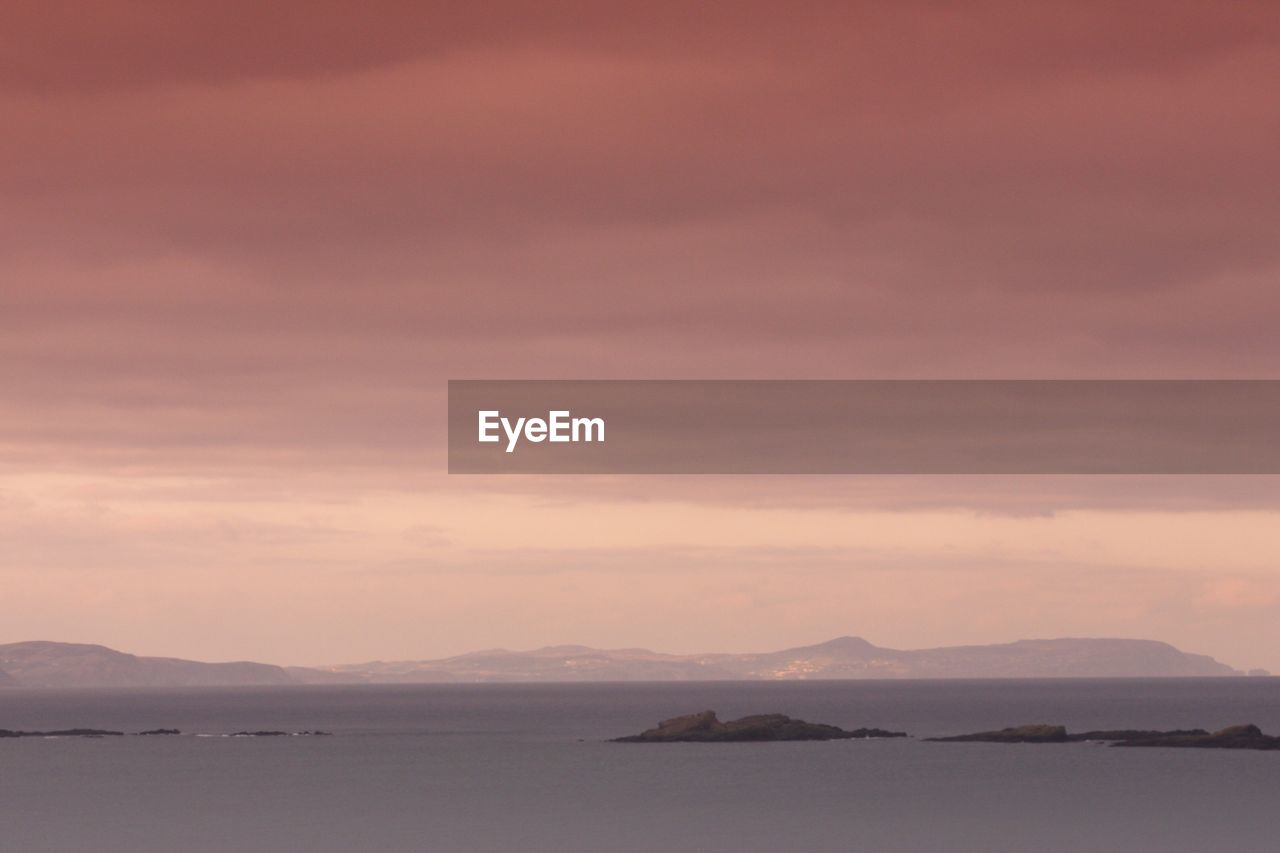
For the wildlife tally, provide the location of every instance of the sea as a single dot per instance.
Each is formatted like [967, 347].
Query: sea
[529, 767]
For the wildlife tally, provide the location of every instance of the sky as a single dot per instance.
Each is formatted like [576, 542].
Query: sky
[244, 247]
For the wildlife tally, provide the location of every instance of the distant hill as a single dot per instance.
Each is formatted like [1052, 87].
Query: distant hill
[853, 657]
[553, 663]
[845, 657]
[48, 664]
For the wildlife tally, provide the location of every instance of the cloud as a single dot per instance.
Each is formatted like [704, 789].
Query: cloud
[245, 246]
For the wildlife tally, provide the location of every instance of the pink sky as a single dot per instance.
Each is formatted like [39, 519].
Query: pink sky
[244, 248]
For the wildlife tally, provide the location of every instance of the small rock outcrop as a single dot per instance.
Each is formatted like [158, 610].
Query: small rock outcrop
[706, 727]
[1234, 737]
[1117, 735]
[1037, 733]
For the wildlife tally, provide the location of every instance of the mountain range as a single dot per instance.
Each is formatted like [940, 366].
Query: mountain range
[47, 664]
[50, 664]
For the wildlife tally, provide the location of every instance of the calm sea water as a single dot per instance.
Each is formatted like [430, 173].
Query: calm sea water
[527, 768]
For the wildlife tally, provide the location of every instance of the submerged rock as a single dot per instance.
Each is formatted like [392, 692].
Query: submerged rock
[707, 728]
[8, 733]
[63, 733]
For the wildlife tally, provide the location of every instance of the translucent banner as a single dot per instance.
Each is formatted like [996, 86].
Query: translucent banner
[864, 427]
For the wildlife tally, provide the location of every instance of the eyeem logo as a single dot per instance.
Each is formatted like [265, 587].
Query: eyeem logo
[559, 426]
